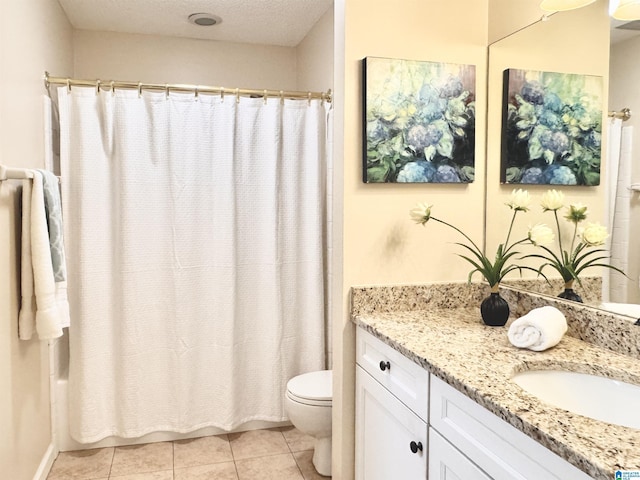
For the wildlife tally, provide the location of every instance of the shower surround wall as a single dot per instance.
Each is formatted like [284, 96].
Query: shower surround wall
[147, 58]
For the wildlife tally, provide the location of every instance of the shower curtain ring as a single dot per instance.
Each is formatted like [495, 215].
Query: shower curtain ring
[47, 84]
[97, 87]
[69, 85]
[166, 89]
[196, 92]
[309, 98]
[113, 87]
[264, 96]
[237, 95]
[139, 89]
[222, 94]
[281, 97]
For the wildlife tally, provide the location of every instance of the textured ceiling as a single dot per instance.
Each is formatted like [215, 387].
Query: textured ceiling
[267, 22]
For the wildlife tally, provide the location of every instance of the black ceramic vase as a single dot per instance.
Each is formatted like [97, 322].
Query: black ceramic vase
[569, 294]
[494, 310]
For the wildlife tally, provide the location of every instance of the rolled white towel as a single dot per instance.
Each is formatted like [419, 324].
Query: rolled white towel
[538, 330]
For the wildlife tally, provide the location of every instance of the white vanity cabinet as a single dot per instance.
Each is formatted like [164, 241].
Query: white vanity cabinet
[497, 449]
[392, 395]
[410, 425]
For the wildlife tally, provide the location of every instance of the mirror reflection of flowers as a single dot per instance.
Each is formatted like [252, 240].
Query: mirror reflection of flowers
[581, 254]
[493, 271]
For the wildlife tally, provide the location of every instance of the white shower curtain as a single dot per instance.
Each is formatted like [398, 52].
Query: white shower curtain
[618, 209]
[195, 251]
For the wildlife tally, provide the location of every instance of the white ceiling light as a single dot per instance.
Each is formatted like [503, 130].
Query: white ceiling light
[204, 19]
[560, 5]
[627, 10]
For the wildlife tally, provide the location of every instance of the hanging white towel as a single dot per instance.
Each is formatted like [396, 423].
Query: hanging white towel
[538, 330]
[52, 308]
[27, 316]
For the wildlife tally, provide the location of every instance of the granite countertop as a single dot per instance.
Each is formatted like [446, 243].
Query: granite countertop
[479, 361]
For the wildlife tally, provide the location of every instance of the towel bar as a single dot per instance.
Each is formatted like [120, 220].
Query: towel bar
[7, 173]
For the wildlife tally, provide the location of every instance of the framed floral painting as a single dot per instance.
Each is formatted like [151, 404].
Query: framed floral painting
[551, 128]
[419, 121]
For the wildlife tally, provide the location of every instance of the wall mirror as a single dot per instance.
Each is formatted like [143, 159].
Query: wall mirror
[586, 41]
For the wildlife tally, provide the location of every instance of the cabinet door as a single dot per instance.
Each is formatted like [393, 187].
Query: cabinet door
[387, 434]
[447, 463]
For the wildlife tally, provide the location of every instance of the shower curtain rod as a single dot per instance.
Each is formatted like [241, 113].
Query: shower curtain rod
[624, 114]
[178, 87]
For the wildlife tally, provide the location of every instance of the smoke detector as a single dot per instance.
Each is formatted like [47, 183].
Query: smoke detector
[204, 19]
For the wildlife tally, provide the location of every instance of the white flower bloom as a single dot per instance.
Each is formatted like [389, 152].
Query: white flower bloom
[421, 213]
[540, 234]
[520, 200]
[594, 234]
[552, 200]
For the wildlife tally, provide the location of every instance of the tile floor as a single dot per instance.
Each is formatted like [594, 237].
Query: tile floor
[282, 453]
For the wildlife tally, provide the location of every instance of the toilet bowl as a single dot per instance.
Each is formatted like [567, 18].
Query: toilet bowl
[308, 405]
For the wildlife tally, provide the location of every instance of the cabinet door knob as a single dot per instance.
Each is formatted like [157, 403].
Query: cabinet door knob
[415, 446]
[384, 365]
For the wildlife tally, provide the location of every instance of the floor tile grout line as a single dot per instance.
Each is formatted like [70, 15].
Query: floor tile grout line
[298, 465]
[113, 456]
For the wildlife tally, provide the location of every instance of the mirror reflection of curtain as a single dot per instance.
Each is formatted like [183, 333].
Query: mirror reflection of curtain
[614, 285]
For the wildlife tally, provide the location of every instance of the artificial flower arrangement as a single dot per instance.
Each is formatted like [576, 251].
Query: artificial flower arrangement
[582, 254]
[494, 309]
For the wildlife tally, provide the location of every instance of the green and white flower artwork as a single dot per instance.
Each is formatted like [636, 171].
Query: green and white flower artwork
[419, 121]
[551, 128]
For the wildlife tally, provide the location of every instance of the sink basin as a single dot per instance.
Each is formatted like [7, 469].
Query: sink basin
[600, 398]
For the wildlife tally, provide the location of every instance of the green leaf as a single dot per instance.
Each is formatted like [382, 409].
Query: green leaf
[513, 174]
[377, 174]
[429, 152]
[535, 148]
[467, 173]
[445, 145]
[591, 178]
[548, 156]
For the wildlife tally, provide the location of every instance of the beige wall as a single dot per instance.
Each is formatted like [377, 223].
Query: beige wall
[314, 56]
[381, 245]
[159, 59]
[573, 42]
[35, 36]
[624, 91]
[507, 16]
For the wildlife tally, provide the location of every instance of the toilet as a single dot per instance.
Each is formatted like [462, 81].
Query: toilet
[308, 405]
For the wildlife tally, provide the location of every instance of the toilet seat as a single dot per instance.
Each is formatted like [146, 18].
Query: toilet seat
[313, 388]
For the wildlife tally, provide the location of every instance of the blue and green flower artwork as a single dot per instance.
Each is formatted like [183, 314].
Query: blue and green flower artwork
[419, 121]
[551, 128]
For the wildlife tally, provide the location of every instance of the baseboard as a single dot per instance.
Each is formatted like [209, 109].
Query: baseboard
[46, 463]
